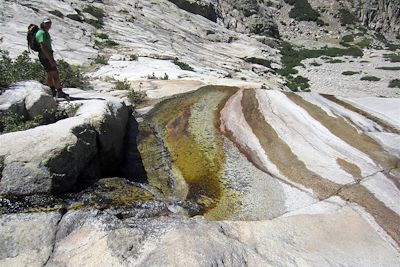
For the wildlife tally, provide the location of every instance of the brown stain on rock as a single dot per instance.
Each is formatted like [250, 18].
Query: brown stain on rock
[280, 153]
[351, 168]
[342, 129]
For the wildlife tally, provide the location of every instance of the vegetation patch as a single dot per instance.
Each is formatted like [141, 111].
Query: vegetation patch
[122, 85]
[389, 68]
[393, 57]
[154, 77]
[102, 35]
[136, 96]
[182, 65]
[366, 42]
[94, 11]
[315, 64]
[12, 122]
[302, 11]
[100, 59]
[75, 17]
[394, 83]
[98, 24]
[348, 73]
[106, 43]
[298, 83]
[348, 38]
[390, 45]
[370, 78]
[57, 13]
[335, 61]
[346, 17]
[292, 57]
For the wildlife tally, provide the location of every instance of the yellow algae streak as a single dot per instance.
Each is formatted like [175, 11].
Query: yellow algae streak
[187, 126]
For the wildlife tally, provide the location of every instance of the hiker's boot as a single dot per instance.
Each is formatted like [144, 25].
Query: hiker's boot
[53, 92]
[61, 94]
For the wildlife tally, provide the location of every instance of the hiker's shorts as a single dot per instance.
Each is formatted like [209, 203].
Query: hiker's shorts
[46, 64]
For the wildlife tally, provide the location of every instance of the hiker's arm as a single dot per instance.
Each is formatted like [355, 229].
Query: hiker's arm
[47, 54]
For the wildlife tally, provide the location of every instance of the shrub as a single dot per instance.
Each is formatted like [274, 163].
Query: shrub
[370, 78]
[315, 64]
[98, 24]
[106, 43]
[153, 77]
[57, 13]
[133, 57]
[389, 68]
[71, 76]
[298, 83]
[182, 65]
[346, 17]
[394, 83]
[94, 11]
[75, 17]
[302, 11]
[350, 72]
[101, 35]
[335, 61]
[22, 68]
[348, 38]
[12, 122]
[101, 60]
[366, 42]
[136, 97]
[393, 57]
[124, 85]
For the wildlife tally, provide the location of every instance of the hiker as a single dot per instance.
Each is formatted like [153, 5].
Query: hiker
[43, 38]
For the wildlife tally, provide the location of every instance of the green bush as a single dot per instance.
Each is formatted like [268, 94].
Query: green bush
[102, 35]
[101, 60]
[370, 78]
[182, 65]
[98, 24]
[302, 11]
[12, 122]
[75, 17]
[346, 17]
[335, 61]
[366, 42]
[94, 11]
[292, 57]
[72, 76]
[153, 77]
[389, 68]
[124, 85]
[394, 83]
[348, 38]
[350, 72]
[22, 68]
[57, 13]
[393, 57]
[136, 97]
[298, 83]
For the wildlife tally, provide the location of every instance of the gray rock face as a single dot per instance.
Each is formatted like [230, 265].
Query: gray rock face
[93, 238]
[55, 157]
[27, 239]
[249, 17]
[381, 15]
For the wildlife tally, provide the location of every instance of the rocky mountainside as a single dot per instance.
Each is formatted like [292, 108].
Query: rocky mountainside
[380, 15]
[268, 135]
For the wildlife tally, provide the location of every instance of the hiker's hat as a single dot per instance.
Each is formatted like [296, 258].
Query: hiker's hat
[46, 19]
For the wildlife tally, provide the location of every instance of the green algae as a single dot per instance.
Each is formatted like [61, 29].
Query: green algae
[182, 149]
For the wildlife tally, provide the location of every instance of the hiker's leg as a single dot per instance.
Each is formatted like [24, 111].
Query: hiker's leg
[55, 77]
[49, 80]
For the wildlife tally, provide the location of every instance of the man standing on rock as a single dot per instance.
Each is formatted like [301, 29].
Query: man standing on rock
[47, 59]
